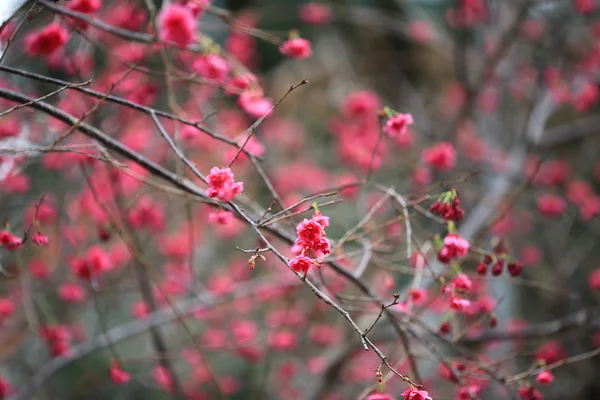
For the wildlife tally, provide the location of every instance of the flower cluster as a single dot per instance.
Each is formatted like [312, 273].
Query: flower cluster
[311, 238]
[46, 41]
[448, 207]
[514, 267]
[221, 184]
[211, 66]
[296, 48]
[415, 394]
[311, 235]
[117, 374]
[441, 156]
[58, 339]
[94, 263]
[315, 13]
[176, 24]
[550, 205]
[40, 239]
[397, 125]
[301, 264]
[10, 241]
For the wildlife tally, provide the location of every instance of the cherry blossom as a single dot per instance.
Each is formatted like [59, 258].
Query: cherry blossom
[221, 184]
[177, 24]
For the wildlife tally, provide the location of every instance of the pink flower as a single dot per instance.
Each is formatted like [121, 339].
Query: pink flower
[85, 6]
[9, 127]
[98, 260]
[585, 97]
[321, 219]
[221, 217]
[420, 176]
[467, 392]
[300, 264]
[221, 184]
[7, 30]
[585, 6]
[311, 236]
[176, 24]
[454, 247]
[211, 66]
[5, 388]
[594, 280]
[441, 156]
[462, 283]
[53, 333]
[244, 331]
[15, 183]
[415, 394]
[7, 308]
[46, 41]
[550, 205]
[469, 13]
[398, 124]
[118, 375]
[197, 7]
[71, 292]
[239, 84]
[255, 104]
[163, 378]
[405, 141]
[315, 13]
[417, 295]
[296, 48]
[282, 340]
[9, 241]
[419, 31]
[545, 377]
[590, 208]
[550, 352]
[514, 268]
[531, 255]
[458, 304]
[39, 239]
[140, 310]
[360, 104]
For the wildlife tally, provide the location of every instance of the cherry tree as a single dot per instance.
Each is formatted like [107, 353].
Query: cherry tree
[299, 200]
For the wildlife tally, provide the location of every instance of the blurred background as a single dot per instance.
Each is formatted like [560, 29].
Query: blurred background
[503, 94]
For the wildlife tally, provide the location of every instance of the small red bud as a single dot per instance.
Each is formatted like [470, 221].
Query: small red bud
[482, 269]
[445, 328]
[497, 268]
[515, 268]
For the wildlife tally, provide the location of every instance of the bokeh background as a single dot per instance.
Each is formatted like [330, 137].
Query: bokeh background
[510, 85]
